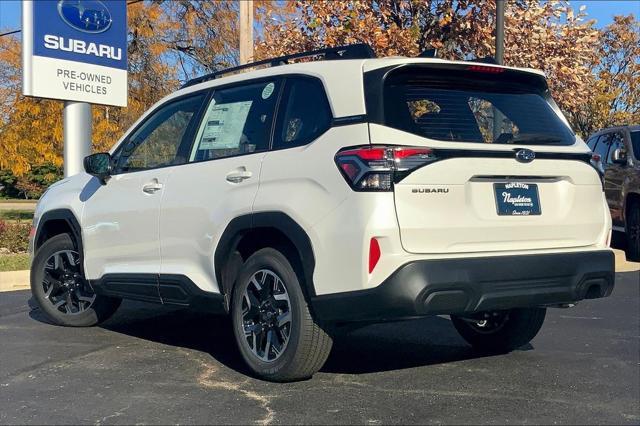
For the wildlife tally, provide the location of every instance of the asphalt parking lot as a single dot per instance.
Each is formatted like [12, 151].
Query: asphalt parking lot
[149, 364]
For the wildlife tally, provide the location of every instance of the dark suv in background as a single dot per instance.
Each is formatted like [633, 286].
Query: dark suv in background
[617, 155]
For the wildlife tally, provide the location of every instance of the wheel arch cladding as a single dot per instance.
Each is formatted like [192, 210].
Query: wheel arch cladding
[247, 234]
[56, 222]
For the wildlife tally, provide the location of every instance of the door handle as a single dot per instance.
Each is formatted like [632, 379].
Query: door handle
[152, 188]
[239, 175]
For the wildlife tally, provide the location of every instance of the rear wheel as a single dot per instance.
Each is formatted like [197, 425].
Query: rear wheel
[61, 290]
[273, 326]
[633, 231]
[500, 331]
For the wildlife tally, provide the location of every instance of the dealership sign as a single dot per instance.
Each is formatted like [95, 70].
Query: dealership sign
[75, 50]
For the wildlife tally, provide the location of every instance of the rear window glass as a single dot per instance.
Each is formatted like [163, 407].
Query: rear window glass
[635, 142]
[465, 108]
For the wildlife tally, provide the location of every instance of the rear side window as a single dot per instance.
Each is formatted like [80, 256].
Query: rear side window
[462, 107]
[635, 143]
[237, 121]
[305, 113]
[602, 147]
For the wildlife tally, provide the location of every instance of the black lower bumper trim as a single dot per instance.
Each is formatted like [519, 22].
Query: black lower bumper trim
[465, 286]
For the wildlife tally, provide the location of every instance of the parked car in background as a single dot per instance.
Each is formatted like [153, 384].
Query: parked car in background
[617, 154]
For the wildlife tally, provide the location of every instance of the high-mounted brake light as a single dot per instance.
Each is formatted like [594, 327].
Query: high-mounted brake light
[485, 69]
[376, 168]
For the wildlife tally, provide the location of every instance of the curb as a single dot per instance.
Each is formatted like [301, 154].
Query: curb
[623, 265]
[14, 280]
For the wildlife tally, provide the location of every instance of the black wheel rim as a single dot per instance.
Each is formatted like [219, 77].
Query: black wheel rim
[266, 316]
[488, 322]
[64, 285]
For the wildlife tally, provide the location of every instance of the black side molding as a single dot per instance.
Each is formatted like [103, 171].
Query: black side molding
[166, 289]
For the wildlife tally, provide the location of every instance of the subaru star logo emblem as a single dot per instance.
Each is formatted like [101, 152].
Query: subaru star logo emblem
[88, 16]
[525, 155]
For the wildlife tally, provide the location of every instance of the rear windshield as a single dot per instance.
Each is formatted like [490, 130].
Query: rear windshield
[463, 106]
[635, 141]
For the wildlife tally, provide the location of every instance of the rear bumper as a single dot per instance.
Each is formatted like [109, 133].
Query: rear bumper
[465, 286]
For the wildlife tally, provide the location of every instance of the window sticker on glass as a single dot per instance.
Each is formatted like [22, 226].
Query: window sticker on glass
[268, 90]
[223, 125]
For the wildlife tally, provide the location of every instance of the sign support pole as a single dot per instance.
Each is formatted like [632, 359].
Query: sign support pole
[246, 31]
[77, 135]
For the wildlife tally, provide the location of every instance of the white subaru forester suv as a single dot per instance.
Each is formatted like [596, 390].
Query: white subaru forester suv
[300, 197]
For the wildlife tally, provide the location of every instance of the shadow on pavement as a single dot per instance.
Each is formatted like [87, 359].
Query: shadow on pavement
[374, 348]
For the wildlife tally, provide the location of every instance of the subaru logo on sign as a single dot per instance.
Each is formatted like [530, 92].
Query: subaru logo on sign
[525, 155]
[89, 16]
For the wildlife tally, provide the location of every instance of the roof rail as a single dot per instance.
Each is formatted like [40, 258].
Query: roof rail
[351, 51]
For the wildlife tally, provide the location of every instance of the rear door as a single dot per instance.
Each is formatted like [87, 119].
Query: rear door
[504, 172]
[217, 184]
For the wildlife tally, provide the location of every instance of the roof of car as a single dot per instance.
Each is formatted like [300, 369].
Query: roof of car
[342, 78]
[630, 127]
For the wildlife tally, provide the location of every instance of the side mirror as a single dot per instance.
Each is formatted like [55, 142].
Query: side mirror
[99, 165]
[619, 156]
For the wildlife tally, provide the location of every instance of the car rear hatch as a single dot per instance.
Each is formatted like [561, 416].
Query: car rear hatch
[502, 170]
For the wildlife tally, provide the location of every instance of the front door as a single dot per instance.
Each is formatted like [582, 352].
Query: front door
[120, 220]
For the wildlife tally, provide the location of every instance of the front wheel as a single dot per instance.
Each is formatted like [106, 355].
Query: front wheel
[61, 290]
[500, 331]
[275, 331]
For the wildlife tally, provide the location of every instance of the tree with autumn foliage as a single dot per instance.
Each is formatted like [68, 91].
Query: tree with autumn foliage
[615, 99]
[549, 36]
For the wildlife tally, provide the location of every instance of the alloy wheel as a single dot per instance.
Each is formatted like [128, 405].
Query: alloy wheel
[266, 315]
[64, 285]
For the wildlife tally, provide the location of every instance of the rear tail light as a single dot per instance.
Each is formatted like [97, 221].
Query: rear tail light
[376, 168]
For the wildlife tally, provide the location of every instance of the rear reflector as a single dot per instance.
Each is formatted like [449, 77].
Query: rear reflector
[374, 254]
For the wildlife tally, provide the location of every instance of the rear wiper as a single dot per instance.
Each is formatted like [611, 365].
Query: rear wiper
[531, 138]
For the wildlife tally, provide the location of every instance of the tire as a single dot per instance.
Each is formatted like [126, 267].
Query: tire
[65, 285]
[632, 231]
[294, 350]
[513, 329]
